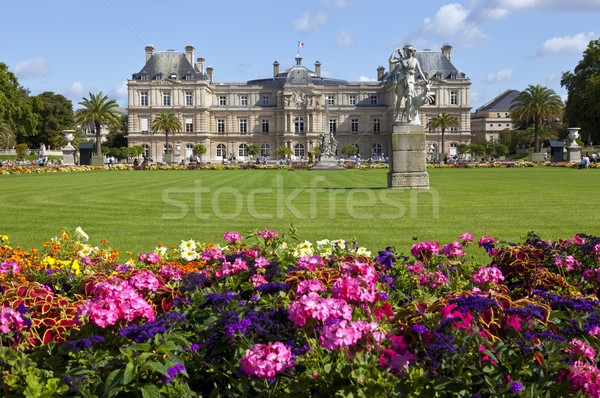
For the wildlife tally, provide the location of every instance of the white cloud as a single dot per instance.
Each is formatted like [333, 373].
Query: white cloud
[120, 92]
[339, 3]
[344, 39]
[75, 92]
[567, 44]
[36, 67]
[548, 5]
[309, 24]
[552, 78]
[366, 79]
[500, 76]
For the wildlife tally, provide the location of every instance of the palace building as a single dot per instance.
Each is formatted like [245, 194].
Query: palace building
[287, 108]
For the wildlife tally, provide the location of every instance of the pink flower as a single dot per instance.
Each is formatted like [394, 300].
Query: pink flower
[310, 263]
[350, 289]
[232, 237]
[466, 237]
[170, 271]
[144, 280]
[580, 349]
[8, 267]
[257, 280]
[452, 250]
[261, 262]
[586, 377]
[267, 234]
[433, 279]
[569, 263]
[212, 254]
[313, 306]
[10, 320]
[425, 250]
[267, 360]
[488, 274]
[311, 285]
[345, 333]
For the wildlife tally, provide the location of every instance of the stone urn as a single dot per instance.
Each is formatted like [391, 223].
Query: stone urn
[573, 136]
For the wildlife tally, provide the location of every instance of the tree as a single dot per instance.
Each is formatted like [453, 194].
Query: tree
[55, 114]
[501, 149]
[536, 104]
[117, 135]
[462, 149]
[583, 87]
[253, 149]
[96, 111]
[284, 151]
[21, 151]
[349, 150]
[7, 137]
[167, 122]
[199, 149]
[443, 121]
[16, 107]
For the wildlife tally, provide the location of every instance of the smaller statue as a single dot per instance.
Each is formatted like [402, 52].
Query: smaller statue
[405, 84]
[328, 144]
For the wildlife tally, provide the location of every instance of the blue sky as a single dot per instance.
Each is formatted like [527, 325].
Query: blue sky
[73, 47]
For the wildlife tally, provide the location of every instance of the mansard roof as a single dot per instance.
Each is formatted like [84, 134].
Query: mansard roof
[298, 74]
[169, 64]
[501, 102]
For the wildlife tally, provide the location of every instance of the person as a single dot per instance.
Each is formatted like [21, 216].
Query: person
[405, 85]
[585, 162]
[41, 161]
[593, 157]
[136, 162]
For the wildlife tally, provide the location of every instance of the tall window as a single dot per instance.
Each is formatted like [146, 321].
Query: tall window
[332, 125]
[144, 124]
[355, 125]
[454, 98]
[265, 150]
[220, 126]
[353, 100]
[144, 77]
[373, 100]
[299, 125]
[299, 150]
[357, 148]
[376, 125]
[188, 77]
[243, 150]
[146, 150]
[221, 151]
[376, 150]
[243, 126]
[244, 100]
[432, 99]
[165, 148]
[265, 125]
[189, 125]
[166, 99]
[189, 98]
[331, 100]
[266, 100]
[222, 100]
[159, 76]
[144, 98]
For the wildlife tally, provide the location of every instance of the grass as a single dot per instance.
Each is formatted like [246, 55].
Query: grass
[135, 210]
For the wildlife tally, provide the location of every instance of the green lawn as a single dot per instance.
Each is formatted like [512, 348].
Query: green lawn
[134, 210]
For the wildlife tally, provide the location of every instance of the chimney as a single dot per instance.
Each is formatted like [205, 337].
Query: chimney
[318, 68]
[209, 73]
[380, 72]
[200, 62]
[149, 51]
[189, 54]
[275, 68]
[447, 50]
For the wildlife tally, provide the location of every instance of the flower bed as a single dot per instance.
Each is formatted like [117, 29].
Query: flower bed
[271, 315]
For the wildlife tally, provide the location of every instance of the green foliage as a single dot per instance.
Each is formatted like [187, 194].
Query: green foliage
[284, 151]
[55, 114]
[583, 87]
[349, 150]
[253, 149]
[477, 149]
[21, 151]
[98, 110]
[169, 123]
[199, 149]
[501, 149]
[443, 121]
[7, 137]
[16, 106]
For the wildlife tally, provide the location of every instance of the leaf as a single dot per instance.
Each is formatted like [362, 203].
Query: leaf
[157, 367]
[113, 380]
[150, 391]
[129, 373]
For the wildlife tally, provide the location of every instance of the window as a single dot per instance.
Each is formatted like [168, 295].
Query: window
[265, 125]
[266, 100]
[159, 76]
[373, 100]
[432, 99]
[453, 97]
[376, 125]
[165, 148]
[243, 150]
[173, 76]
[144, 124]
[243, 126]
[220, 126]
[166, 99]
[189, 98]
[299, 125]
[353, 100]
[144, 77]
[189, 125]
[144, 98]
[146, 150]
[376, 150]
[244, 100]
[355, 125]
[222, 100]
[332, 125]
[299, 150]
[188, 77]
[330, 100]
[221, 151]
[265, 150]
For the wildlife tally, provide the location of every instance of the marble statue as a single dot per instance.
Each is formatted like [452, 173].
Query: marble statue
[405, 83]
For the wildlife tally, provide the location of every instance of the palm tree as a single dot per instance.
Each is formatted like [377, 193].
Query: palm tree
[96, 111]
[443, 121]
[536, 104]
[166, 122]
[7, 136]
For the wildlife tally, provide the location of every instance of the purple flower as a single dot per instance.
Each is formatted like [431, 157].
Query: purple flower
[172, 373]
[516, 387]
[477, 304]
[386, 257]
[421, 329]
[78, 345]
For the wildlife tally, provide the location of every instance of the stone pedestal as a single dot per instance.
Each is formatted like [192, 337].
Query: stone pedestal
[327, 162]
[68, 154]
[98, 160]
[573, 153]
[408, 160]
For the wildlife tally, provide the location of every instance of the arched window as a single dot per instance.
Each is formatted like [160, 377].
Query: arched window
[146, 150]
[189, 150]
[243, 150]
[376, 150]
[299, 150]
[453, 149]
[221, 151]
[265, 150]
[299, 125]
[165, 149]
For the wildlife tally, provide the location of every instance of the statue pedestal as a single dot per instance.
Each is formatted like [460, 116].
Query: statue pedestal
[408, 160]
[327, 162]
[68, 154]
[573, 153]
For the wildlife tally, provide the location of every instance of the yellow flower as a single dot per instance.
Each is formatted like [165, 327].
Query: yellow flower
[3, 238]
[75, 267]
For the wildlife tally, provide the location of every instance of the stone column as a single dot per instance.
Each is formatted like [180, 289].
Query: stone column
[408, 157]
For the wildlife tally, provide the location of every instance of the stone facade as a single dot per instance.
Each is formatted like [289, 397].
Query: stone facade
[489, 120]
[287, 108]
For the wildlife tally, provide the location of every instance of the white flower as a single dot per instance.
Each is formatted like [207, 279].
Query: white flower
[160, 251]
[130, 262]
[79, 232]
[304, 249]
[189, 255]
[363, 252]
[85, 250]
[187, 245]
